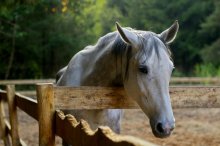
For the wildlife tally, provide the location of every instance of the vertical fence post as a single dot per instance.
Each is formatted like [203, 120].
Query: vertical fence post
[13, 114]
[3, 131]
[46, 110]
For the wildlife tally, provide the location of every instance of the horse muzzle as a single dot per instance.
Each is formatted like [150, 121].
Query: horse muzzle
[162, 129]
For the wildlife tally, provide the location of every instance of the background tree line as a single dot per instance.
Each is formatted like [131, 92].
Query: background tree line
[38, 37]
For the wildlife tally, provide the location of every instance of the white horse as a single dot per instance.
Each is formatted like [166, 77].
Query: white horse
[137, 60]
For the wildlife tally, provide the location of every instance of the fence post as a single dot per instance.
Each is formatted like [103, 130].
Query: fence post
[13, 114]
[3, 130]
[46, 110]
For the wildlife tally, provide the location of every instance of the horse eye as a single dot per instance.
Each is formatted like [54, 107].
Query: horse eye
[143, 69]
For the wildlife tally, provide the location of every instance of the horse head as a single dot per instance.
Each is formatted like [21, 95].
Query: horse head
[149, 73]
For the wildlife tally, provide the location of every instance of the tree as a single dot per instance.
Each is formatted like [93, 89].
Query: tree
[210, 32]
[156, 15]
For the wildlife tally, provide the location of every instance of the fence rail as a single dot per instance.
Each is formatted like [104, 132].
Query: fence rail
[195, 80]
[26, 81]
[111, 98]
[183, 81]
[176, 80]
[52, 122]
[43, 110]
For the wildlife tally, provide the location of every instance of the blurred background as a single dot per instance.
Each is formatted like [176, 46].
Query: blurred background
[38, 37]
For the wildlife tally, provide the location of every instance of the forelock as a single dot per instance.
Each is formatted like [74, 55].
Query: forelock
[150, 41]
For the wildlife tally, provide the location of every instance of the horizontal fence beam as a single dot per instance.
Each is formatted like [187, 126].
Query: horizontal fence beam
[3, 95]
[30, 93]
[91, 98]
[210, 80]
[107, 97]
[27, 104]
[84, 136]
[195, 97]
[111, 98]
[26, 81]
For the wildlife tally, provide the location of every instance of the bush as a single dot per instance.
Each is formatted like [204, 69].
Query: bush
[207, 70]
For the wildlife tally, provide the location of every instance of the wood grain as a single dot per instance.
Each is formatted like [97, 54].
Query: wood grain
[13, 115]
[111, 98]
[195, 97]
[91, 98]
[26, 82]
[28, 105]
[4, 126]
[82, 135]
[195, 80]
[3, 95]
[46, 113]
[181, 80]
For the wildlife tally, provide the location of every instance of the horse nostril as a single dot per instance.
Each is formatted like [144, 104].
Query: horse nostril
[159, 128]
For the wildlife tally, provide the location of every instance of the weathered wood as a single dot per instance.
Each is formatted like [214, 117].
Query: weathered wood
[3, 95]
[46, 114]
[28, 105]
[92, 98]
[110, 98]
[4, 129]
[195, 97]
[26, 82]
[187, 80]
[13, 114]
[82, 135]
[195, 80]
[30, 93]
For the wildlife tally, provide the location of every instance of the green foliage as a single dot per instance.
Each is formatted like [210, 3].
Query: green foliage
[207, 70]
[47, 33]
[156, 15]
[210, 32]
[211, 53]
[178, 73]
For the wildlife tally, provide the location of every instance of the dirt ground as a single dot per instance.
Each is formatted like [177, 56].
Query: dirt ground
[194, 127]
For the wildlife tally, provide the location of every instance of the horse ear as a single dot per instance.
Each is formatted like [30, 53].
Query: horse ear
[170, 34]
[127, 35]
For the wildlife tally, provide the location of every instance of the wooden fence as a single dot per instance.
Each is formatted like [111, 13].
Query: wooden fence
[53, 122]
[46, 109]
[174, 80]
[183, 81]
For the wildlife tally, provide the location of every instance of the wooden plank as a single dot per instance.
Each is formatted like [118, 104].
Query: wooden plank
[108, 97]
[30, 93]
[82, 135]
[3, 95]
[4, 127]
[195, 80]
[211, 80]
[92, 98]
[46, 113]
[28, 105]
[13, 115]
[195, 97]
[26, 81]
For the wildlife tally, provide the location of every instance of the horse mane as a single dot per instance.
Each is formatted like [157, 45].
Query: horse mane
[113, 43]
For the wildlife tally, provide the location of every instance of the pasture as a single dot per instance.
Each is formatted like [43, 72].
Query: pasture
[194, 126]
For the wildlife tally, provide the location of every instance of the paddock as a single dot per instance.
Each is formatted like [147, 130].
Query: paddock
[184, 98]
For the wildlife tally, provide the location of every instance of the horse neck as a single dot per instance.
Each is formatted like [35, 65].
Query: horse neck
[108, 67]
